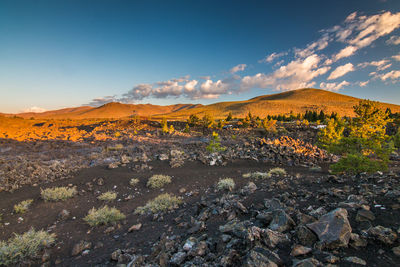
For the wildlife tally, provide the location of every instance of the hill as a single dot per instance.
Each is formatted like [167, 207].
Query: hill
[109, 110]
[297, 101]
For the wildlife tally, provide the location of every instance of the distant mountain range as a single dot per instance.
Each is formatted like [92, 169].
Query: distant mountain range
[297, 101]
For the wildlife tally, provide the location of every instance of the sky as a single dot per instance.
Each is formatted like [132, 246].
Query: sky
[56, 54]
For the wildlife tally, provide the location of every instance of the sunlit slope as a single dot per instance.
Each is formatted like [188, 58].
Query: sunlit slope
[110, 110]
[297, 101]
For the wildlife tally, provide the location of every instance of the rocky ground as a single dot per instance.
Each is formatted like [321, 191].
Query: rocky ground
[307, 217]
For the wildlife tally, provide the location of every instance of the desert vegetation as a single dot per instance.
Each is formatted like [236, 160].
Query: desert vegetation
[23, 206]
[158, 181]
[162, 203]
[103, 216]
[57, 193]
[108, 196]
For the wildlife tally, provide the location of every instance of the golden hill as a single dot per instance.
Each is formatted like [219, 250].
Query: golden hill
[297, 101]
[110, 110]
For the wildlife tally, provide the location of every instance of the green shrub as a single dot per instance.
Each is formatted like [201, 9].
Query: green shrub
[226, 184]
[396, 139]
[104, 215]
[158, 181]
[23, 206]
[257, 175]
[277, 172]
[58, 193]
[108, 196]
[24, 247]
[161, 203]
[134, 181]
[357, 163]
[215, 144]
[331, 134]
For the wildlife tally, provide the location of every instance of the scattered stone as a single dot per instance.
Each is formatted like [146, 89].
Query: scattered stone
[396, 250]
[299, 250]
[281, 222]
[365, 215]
[385, 235]
[81, 246]
[178, 258]
[135, 227]
[333, 229]
[64, 215]
[355, 260]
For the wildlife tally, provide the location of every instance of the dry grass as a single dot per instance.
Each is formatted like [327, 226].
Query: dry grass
[58, 193]
[134, 181]
[162, 203]
[104, 215]
[226, 184]
[23, 206]
[158, 181]
[108, 196]
[23, 247]
[257, 175]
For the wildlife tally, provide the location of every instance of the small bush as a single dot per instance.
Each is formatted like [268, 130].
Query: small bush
[108, 196]
[134, 181]
[257, 175]
[58, 193]
[23, 206]
[277, 172]
[357, 163]
[215, 144]
[23, 247]
[104, 215]
[162, 203]
[396, 139]
[226, 184]
[158, 181]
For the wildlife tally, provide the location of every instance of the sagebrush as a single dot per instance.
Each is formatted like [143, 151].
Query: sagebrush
[23, 206]
[158, 181]
[58, 193]
[162, 203]
[24, 247]
[108, 196]
[226, 184]
[104, 215]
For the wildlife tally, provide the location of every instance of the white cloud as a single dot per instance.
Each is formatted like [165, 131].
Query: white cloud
[272, 57]
[393, 40]
[372, 27]
[102, 100]
[363, 84]
[340, 71]
[237, 68]
[345, 52]
[396, 57]
[35, 109]
[391, 75]
[318, 45]
[333, 86]
[297, 74]
[380, 65]
[190, 86]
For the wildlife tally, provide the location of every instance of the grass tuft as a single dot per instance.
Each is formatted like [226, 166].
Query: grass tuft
[226, 184]
[277, 172]
[158, 181]
[134, 181]
[58, 193]
[108, 196]
[162, 203]
[104, 215]
[23, 247]
[257, 175]
[23, 206]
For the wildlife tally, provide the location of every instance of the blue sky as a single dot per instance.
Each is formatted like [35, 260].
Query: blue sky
[56, 54]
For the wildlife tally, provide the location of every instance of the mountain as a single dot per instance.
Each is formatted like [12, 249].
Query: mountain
[297, 101]
[109, 110]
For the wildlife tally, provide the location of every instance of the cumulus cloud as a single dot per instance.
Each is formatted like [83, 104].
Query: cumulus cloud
[393, 40]
[102, 100]
[35, 109]
[340, 71]
[396, 57]
[273, 56]
[363, 84]
[380, 65]
[298, 73]
[237, 68]
[333, 86]
[391, 75]
[320, 44]
[362, 31]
